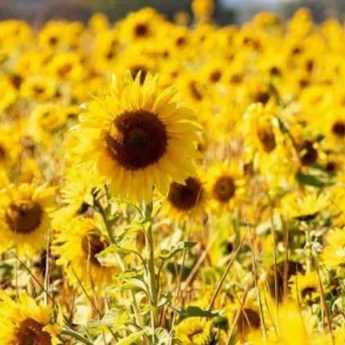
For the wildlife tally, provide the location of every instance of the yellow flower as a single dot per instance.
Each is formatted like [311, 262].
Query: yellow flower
[9, 94]
[225, 185]
[260, 129]
[46, 120]
[194, 331]
[40, 88]
[141, 26]
[333, 254]
[139, 137]
[304, 287]
[304, 206]
[25, 218]
[78, 244]
[186, 200]
[26, 322]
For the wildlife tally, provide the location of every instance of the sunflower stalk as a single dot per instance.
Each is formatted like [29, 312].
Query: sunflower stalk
[77, 336]
[153, 286]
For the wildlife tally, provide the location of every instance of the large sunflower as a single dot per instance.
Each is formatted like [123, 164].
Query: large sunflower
[25, 217]
[25, 322]
[139, 136]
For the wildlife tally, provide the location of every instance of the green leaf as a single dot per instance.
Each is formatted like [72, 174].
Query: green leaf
[221, 322]
[311, 180]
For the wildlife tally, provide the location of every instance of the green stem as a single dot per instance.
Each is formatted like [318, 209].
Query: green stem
[71, 333]
[152, 280]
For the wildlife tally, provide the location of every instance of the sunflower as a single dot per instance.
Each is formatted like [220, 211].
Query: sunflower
[260, 129]
[141, 26]
[225, 185]
[9, 147]
[25, 322]
[9, 95]
[194, 331]
[139, 137]
[186, 200]
[39, 88]
[78, 245]
[46, 120]
[333, 254]
[76, 194]
[66, 66]
[305, 287]
[305, 207]
[25, 217]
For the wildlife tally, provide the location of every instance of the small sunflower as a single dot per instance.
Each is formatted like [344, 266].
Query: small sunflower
[25, 217]
[139, 137]
[141, 26]
[225, 185]
[305, 207]
[305, 287]
[186, 200]
[78, 245]
[24, 322]
[66, 66]
[333, 254]
[76, 194]
[38, 88]
[260, 130]
[194, 331]
[47, 119]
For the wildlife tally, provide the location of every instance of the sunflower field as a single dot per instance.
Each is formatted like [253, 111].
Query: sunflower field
[165, 183]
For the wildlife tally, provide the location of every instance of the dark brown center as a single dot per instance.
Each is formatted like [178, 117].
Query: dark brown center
[195, 92]
[24, 217]
[262, 97]
[141, 30]
[247, 319]
[3, 153]
[215, 76]
[275, 71]
[64, 70]
[92, 245]
[16, 80]
[194, 332]
[308, 291]
[38, 90]
[53, 40]
[181, 41]
[224, 189]
[140, 139]
[267, 139]
[338, 129]
[185, 196]
[308, 153]
[30, 332]
[331, 167]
